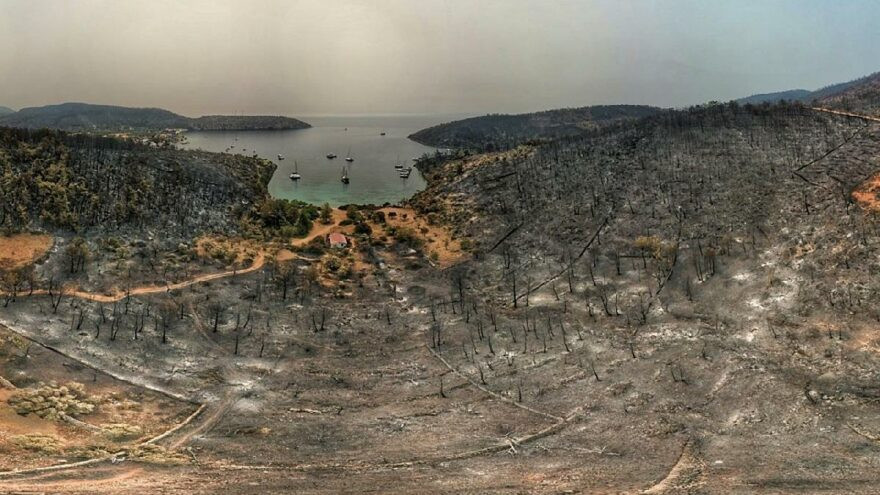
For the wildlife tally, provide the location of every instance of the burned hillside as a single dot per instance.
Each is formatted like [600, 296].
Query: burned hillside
[502, 131]
[709, 270]
[677, 304]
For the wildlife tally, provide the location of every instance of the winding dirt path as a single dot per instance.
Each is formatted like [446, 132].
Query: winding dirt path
[98, 472]
[209, 420]
[321, 229]
[100, 478]
[684, 472]
[847, 114]
[318, 230]
[866, 193]
[258, 263]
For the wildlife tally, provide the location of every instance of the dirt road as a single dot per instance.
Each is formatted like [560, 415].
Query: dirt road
[321, 229]
[258, 263]
[847, 114]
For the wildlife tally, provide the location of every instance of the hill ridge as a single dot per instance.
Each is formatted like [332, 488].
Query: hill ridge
[824, 93]
[78, 116]
[502, 131]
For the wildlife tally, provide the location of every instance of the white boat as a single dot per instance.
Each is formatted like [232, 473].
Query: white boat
[344, 176]
[404, 173]
[280, 156]
[295, 175]
[331, 156]
[348, 157]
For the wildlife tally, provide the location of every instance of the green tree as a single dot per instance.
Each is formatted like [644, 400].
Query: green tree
[326, 214]
[77, 254]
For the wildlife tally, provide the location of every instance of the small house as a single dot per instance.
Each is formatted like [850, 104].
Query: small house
[337, 240]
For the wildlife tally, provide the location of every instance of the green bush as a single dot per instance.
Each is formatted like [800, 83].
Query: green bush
[408, 237]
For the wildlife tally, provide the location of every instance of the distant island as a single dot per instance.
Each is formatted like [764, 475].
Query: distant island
[503, 131]
[81, 117]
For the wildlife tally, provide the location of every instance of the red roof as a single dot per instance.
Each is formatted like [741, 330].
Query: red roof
[337, 238]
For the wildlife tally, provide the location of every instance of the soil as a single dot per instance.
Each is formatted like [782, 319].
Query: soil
[866, 194]
[438, 239]
[27, 364]
[321, 229]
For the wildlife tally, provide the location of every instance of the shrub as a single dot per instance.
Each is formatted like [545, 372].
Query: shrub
[408, 237]
[122, 431]
[353, 214]
[156, 454]
[50, 401]
[326, 214]
[38, 442]
[316, 246]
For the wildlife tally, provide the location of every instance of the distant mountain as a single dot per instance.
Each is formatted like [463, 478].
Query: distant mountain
[88, 117]
[6, 110]
[790, 95]
[501, 131]
[862, 93]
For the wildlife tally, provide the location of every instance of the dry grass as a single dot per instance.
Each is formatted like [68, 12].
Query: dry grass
[155, 454]
[21, 249]
[122, 431]
[37, 442]
[321, 229]
[866, 194]
[439, 243]
[228, 250]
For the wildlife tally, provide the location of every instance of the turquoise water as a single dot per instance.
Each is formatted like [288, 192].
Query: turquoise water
[373, 178]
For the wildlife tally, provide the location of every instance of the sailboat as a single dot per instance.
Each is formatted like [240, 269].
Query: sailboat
[398, 166]
[295, 175]
[348, 157]
[404, 172]
[331, 156]
[344, 176]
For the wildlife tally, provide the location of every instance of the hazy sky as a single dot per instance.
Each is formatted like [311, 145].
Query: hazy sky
[306, 57]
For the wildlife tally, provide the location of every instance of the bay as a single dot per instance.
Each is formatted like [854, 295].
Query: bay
[372, 176]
